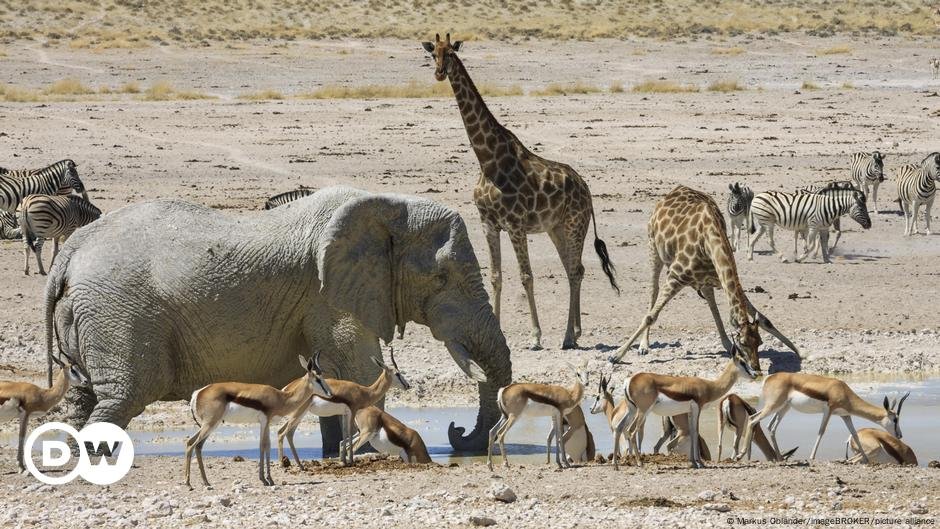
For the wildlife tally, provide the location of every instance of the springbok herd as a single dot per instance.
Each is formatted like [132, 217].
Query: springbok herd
[522, 193]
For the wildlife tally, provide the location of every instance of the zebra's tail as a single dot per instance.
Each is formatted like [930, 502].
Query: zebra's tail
[606, 265]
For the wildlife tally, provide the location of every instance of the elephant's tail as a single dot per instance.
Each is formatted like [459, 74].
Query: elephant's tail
[54, 291]
[601, 248]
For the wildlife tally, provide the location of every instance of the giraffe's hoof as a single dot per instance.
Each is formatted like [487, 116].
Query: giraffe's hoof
[535, 346]
[569, 344]
[643, 351]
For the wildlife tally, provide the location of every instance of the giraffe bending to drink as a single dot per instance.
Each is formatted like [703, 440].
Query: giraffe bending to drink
[522, 193]
[687, 235]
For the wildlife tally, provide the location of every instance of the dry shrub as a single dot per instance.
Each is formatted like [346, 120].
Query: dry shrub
[14, 94]
[559, 89]
[809, 85]
[263, 95]
[130, 87]
[835, 50]
[727, 85]
[412, 89]
[616, 87]
[848, 86]
[735, 50]
[164, 91]
[68, 87]
[663, 87]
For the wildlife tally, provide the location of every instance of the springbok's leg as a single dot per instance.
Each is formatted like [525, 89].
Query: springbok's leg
[822, 429]
[494, 431]
[287, 430]
[24, 423]
[510, 420]
[694, 451]
[851, 427]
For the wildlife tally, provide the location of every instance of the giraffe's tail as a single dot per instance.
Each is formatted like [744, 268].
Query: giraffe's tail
[606, 265]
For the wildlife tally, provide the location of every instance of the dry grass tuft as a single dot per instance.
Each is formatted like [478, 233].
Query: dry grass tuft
[728, 51]
[68, 87]
[809, 85]
[727, 85]
[663, 87]
[848, 86]
[835, 50]
[412, 89]
[263, 95]
[164, 91]
[616, 87]
[558, 89]
[130, 87]
[14, 94]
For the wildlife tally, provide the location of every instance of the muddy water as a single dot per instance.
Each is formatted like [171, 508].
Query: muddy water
[920, 424]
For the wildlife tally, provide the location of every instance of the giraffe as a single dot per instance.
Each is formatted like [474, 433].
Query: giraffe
[687, 233]
[522, 193]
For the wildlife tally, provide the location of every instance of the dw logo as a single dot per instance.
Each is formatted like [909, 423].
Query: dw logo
[106, 453]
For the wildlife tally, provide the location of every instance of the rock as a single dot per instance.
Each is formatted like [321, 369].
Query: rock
[196, 520]
[482, 521]
[719, 507]
[238, 459]
[707, 495]
[600, 459]
[225, 501]
[385, 511]
[918, 508]
[502, 492]
[933, 464]
[837, 505]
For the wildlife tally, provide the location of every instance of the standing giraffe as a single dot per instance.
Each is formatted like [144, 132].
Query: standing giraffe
[522, 193]
[687, 232]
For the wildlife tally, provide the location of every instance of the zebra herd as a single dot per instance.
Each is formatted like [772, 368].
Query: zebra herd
[37, 204]
[810, 211]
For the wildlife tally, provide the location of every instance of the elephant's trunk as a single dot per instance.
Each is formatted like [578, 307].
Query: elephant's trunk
[487, 347]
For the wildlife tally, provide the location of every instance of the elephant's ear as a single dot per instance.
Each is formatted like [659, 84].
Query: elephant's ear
[355, 259]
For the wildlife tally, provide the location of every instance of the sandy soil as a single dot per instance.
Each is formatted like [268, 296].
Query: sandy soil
[867, 314]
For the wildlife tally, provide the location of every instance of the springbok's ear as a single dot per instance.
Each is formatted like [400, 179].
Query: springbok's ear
[886, 405]
[731, 187]
[456, 45]
[428, 46]
[303, 362]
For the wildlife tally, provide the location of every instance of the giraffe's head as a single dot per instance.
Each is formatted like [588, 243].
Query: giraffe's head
[747, 342]
[443, 52]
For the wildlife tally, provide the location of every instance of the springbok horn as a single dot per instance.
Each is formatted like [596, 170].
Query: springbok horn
[316, 362]
[901, 402]
[391, 354]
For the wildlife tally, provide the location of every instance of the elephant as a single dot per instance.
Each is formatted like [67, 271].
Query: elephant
[162, 297]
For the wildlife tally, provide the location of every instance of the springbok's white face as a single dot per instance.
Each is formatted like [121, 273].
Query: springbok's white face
[398, 380]
[600, 396]
[75, 374]
[892, 421]
[315, 376]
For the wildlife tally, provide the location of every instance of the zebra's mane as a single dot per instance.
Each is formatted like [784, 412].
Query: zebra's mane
[931, 155]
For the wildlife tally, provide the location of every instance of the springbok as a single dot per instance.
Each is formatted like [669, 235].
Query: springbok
[817, 394]
[23, 400]
[536, 400]
[676, 432]
[387, 435]
[578, 441]
[669, 395]
[347, 399]
[241, 402]
[618, 416]
[880, 447]
[733, 412]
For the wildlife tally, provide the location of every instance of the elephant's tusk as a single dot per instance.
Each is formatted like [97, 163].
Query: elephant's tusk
[462, 358]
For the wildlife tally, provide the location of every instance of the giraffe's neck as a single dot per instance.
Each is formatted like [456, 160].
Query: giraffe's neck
[477, 118]
[727, 270]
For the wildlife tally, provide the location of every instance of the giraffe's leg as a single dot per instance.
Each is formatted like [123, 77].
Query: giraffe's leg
[569, 243]
[496, 265]
[656, 267]
[709, 295]
[521, 245]
[673, 286]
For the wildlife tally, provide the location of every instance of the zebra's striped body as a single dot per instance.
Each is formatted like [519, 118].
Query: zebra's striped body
[9, 227]
[810, 213]
[827, 188]
[54, 217]
[916, 186]
[60, 177]
[284, 198]
[868, 172]
[739, 210]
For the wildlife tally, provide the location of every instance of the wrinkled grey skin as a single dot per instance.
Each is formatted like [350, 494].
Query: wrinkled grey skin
[160, 298]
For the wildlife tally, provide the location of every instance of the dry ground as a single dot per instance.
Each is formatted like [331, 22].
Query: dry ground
[870, 312]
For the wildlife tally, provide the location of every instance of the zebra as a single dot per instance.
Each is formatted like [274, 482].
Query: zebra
[916, 186]
[9, 227]
[868, 172]
[54, 217]
[739, 208]
[935, 64]
[833, 186]
[60, 177]
[289, 196]
[810, 213]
